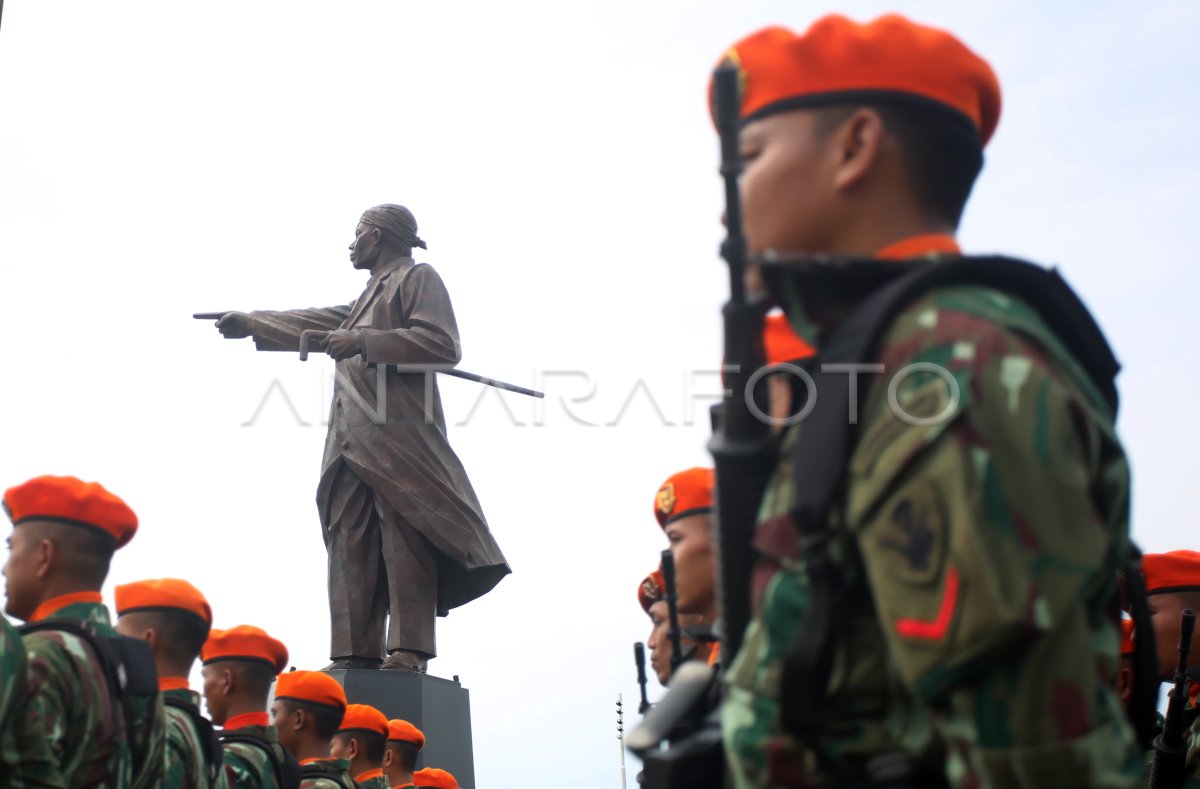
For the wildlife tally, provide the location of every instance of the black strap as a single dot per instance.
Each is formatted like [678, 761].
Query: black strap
[287, 769]
[213, 753]
[823, 455]
[129, 669]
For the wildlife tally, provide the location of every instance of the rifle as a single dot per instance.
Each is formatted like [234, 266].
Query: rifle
[1170, 747]
[639, 660]
[673, 631]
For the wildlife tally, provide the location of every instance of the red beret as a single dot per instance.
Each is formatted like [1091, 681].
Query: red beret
[686, 493]
[434, 778]
[1174, 571]
[70, 500]
[1126, 637]
[162, 594]
[244, 642]
[311, 687]
[651, 590]
[366, 718]
[839, 61]
[403, 731]
[781, 343]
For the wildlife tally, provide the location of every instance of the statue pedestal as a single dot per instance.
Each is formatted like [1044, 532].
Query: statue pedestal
[440, 708]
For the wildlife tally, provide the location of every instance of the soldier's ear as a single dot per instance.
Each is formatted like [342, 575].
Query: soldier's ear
[45, 556]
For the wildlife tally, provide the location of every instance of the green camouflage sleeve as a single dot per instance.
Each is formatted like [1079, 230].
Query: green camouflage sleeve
[185, 767]
[25, 758]
[989, 496]
[247, 766]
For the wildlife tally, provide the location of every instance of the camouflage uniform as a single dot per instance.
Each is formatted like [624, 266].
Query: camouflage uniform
[985, 550]
[72, 705]
[25, 758]
[327, 774]
[247, 766]
[187, 765]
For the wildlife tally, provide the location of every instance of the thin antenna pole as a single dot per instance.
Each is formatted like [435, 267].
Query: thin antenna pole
[621, 736]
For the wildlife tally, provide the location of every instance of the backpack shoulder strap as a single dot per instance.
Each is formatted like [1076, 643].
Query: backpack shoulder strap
[285, 767]
[213, 752]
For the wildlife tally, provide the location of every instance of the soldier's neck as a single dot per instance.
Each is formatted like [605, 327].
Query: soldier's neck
[312, 747]
[398, 777]
[238, 706]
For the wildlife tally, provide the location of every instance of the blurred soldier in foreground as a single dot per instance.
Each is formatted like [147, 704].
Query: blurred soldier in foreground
[941, 610]
[25, 758]
[404, 744]
[174, 619]
[308, 710]
[239, 666]
[94, 693]
[405, 532]
[362, 739]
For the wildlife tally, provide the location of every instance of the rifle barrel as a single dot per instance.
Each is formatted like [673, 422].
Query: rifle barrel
[673, 631]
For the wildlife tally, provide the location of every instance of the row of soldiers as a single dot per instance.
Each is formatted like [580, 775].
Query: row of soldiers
[683, 507]
[921, 568]
[85, 702]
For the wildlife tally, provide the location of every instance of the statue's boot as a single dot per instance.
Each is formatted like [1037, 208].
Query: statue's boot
[342, 663]
[404, 660]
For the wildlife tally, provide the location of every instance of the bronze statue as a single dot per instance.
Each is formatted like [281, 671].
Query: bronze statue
[406, 535]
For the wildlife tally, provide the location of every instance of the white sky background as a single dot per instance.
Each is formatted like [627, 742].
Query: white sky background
[158, 159]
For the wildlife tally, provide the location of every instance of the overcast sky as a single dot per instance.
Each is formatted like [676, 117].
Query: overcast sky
[162, 158]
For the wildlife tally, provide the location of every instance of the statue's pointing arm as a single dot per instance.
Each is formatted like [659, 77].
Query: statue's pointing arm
[431, 333]
[280, 330]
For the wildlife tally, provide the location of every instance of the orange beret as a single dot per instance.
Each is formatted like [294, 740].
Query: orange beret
[781, 343]
[311, 687]
[70, 500]
[435, 778]
[403, 731]
[1174, 571]
[1126, 637]
[366, 718]
[686, 493]
[651, 590]
[244, 642]
[162, 594]
[839, 61]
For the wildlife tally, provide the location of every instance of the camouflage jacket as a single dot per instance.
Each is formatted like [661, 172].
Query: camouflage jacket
[326, 774]
[979, 556]
[25, 759]
[246, 765]
[187, 764]
[74, 708]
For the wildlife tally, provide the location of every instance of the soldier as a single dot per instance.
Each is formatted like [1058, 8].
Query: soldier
[1172, 584]
[308, 710]
[25, 758]
[65, 532]
[362, 739]
[173, 617]
[652, 598]
[1125, 673]
[781, 345]
[404, 744]
[683, 506]
[956, 583]
[239, 666]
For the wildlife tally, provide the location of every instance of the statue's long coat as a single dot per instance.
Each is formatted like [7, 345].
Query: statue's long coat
[388, 426]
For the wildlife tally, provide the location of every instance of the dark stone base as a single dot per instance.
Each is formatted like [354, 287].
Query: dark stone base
[440, 708]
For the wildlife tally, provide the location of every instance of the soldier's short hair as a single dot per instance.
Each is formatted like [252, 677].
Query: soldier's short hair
[180, 634]
[943, 158]
[326, 719]
[373, 743]
[406, 752]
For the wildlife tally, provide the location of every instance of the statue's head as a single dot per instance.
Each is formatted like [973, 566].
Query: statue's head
[384, 230]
